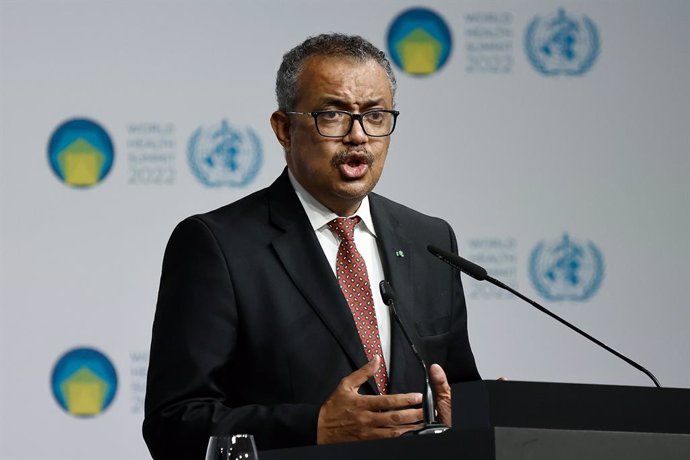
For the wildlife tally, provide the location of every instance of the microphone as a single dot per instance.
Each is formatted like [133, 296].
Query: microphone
[480, 274]
[431, 424]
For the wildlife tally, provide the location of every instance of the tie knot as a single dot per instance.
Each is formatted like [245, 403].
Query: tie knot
[344, 227]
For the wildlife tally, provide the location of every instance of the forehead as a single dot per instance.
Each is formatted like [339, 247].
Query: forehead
[349, 80]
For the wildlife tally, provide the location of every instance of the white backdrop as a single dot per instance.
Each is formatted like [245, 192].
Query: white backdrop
[509, 156]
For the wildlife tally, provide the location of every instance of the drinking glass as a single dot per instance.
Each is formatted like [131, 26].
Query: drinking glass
[235, 447]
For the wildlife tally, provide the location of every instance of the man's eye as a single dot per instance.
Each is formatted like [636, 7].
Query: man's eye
[330, 116]
[375, 116]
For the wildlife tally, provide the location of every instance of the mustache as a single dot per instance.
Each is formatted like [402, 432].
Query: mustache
[342, 157]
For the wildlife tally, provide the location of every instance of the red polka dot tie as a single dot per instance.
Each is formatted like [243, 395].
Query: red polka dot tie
[354, 282]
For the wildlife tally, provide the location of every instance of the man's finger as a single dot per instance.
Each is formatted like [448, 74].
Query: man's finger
[388, 402]
[361, 375]
[443, 394]
[438, 378]
[397, 417]
[380, 433]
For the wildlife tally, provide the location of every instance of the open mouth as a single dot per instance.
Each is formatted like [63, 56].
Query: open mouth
[356, 161]
[353, 165]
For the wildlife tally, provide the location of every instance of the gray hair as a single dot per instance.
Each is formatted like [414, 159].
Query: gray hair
[333, 44]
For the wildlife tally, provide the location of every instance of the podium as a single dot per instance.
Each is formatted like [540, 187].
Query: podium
[576, 421]
[538, 421]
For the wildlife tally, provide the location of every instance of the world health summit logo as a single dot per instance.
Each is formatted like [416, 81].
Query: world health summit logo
[80, 153]
[419, 41]
[224, 154]
[566, 269]
[84, 382]
[562, 44]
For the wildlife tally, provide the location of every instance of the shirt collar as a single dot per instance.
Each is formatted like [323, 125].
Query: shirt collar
[319, 215]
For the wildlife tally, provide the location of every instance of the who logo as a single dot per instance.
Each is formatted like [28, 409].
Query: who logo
[566, 269]
[562, 44]
[224, 155]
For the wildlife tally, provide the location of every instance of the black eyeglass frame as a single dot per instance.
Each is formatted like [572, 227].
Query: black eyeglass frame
[353, 117]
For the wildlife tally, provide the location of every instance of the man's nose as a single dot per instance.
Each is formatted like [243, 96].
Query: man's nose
[356, 136]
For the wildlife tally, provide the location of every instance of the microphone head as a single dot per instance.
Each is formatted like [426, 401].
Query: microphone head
[387, 292]
[457, 262]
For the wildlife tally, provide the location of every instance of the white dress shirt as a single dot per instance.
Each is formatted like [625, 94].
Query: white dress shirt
[365, 240]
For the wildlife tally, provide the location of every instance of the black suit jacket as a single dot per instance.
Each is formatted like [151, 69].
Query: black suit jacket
[252, 333]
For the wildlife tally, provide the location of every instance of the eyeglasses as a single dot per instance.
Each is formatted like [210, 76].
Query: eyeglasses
[338, 123]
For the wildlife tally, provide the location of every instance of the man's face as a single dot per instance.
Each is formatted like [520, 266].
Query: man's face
[339, 172]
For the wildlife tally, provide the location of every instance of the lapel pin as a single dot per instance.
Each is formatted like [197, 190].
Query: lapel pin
[399, 253]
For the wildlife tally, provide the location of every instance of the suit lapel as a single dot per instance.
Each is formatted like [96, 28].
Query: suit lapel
[302, 256]
[397, 257]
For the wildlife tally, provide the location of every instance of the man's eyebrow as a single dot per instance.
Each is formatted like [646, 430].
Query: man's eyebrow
[332, 101]
[372, 103]
[341, 103]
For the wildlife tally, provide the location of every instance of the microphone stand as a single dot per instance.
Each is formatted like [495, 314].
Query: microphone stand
[480, 274]
[431, 423]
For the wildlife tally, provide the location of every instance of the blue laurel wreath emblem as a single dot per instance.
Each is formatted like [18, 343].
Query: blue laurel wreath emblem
[562, 44]
[224, 154]
[566, 269]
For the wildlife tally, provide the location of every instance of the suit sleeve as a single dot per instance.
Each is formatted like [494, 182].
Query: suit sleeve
[460, 366]
[193, 343]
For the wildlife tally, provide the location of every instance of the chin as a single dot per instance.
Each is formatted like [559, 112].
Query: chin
[354, 191]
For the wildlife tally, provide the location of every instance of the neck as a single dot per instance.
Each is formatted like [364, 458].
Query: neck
[342, 207]
[344, 210]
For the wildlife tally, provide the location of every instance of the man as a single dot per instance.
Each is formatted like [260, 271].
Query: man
[259, 326]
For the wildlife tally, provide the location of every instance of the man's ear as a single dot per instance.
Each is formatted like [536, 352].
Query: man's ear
[280, 121]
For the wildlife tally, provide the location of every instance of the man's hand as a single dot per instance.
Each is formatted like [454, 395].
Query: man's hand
[350, 416]
[442, 391]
